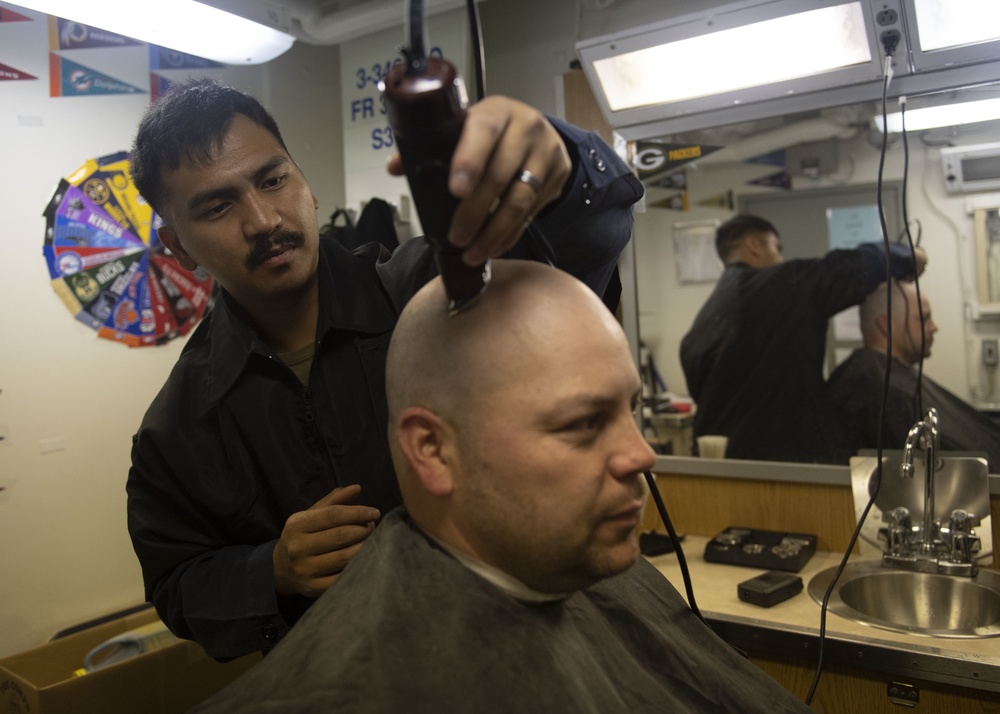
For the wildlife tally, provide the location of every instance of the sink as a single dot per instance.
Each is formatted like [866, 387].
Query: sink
[914, 603]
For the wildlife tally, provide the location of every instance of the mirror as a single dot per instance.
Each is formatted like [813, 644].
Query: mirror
[830, 159]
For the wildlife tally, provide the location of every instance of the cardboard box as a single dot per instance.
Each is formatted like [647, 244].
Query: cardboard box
[166, 681]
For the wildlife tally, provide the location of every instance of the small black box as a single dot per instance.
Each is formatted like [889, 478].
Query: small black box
[770, 588]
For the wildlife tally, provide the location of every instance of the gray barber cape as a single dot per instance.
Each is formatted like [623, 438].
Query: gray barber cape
[407, 628]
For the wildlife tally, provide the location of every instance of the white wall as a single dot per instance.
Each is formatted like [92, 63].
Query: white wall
[65, 556]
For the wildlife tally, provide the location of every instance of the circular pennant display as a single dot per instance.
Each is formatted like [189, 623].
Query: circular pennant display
[107, 263]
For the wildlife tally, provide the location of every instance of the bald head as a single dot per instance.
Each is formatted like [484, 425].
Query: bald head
[450, 364]
[906, 321]
[513, 429]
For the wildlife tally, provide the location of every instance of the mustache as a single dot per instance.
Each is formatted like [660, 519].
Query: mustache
[281, 239]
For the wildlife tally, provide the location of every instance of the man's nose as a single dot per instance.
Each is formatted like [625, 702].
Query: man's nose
[634, 453]
[260, 217]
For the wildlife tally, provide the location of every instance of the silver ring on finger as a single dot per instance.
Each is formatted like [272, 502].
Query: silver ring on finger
[530, 179]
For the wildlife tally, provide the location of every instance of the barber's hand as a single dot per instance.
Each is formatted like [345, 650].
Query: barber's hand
[501, 138]
[316, 544]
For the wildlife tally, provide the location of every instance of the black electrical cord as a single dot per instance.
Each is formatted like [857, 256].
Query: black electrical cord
[479, 58]
[416, 34]
[535, 241]
[918, 395]
[885, 395]
[681, 560]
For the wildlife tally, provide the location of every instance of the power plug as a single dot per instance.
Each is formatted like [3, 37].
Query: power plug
[890, 40]
[990, 356]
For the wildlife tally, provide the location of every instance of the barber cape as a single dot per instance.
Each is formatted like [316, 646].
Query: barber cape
[407, 628]
[856, 385]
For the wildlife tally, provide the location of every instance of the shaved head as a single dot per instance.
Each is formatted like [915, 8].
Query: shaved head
[451, 363]
[513, 427]
[907, 315]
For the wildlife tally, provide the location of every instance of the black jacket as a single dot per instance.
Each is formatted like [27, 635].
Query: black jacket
[753, 359]
[234, 444]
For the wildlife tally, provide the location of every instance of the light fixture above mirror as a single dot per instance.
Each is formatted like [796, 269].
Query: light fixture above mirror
[679, 73]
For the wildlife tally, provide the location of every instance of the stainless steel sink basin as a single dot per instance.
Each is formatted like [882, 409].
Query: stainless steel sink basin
[915, 603]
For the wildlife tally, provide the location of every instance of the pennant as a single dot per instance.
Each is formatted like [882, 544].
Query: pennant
[163, 58]
[676, 181]
[69, 79]
[651, 159]
[774, 158]
[9, 74]
[677, 202]
[92, 292]
[782, 180]
[157, 86]
[106, 182]
[68, 35]
[722, 200]
[187, 296]
[11, 16]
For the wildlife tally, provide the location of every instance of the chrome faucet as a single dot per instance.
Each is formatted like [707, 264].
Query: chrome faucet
[934, 547]
[925, 435]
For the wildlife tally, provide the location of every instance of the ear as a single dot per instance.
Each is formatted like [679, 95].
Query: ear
[428, 444]
[170, 239]
[754, 244]
[882, 323]
[315, 202]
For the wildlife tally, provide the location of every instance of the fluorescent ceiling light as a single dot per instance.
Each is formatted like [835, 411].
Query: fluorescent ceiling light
[944, 115]
[947, 23]
[783, 48]
[182, 25]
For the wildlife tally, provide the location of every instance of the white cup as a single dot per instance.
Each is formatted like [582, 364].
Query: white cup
[712, 447]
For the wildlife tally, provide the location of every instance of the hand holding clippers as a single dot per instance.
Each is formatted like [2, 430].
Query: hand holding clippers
[426, 102]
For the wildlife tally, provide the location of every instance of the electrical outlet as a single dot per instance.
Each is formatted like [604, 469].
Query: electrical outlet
[890, 40]
[887, 17]
[990, 352]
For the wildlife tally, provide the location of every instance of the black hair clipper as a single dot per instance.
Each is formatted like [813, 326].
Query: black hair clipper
[426, 99]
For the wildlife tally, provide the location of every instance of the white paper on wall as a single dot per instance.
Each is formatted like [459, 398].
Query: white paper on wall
[694, 251]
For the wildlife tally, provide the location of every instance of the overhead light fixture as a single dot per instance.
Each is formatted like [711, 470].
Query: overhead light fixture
[183, 25]
[751, 55]
[756, 59]
[943, 115]
[940, 26]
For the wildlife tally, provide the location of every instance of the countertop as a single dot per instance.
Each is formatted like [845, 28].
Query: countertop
[792, 627]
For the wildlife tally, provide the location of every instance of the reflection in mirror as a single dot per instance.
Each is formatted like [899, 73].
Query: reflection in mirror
[813, 175]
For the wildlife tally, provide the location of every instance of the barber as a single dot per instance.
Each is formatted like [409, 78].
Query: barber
[262, 466]
[753, 359]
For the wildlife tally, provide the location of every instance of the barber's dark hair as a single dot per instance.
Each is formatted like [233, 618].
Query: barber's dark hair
[730, 233]
[188, 123]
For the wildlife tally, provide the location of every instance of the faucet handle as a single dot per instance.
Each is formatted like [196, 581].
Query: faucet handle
[899, 531]
[898, 516]
[964, 547]
[961, 521]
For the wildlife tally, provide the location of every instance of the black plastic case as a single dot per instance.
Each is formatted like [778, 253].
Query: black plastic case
[770, 588]
[767, 550]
